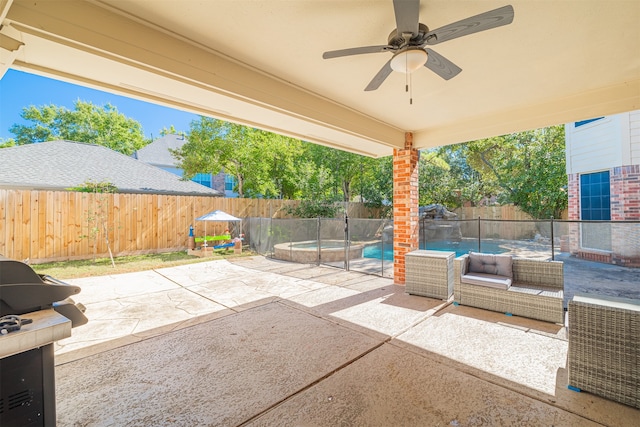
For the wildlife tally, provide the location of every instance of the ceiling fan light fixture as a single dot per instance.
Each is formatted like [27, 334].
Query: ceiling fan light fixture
[409, 60]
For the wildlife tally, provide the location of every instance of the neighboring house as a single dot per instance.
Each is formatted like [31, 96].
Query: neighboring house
[60, 165]
[603, 167]
[157, 154]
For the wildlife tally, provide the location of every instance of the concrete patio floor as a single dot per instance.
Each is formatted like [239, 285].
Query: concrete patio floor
[254, 341]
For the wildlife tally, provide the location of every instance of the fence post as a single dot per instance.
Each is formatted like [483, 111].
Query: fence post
[318, 243]
[347, 242]
[553, 252]
[290, 244]
[382, 250]
[479, 243]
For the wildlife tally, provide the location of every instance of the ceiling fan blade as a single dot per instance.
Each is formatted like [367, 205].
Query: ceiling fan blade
[356, 51]
[441, 65]
[407, 16]
[484, 21]
[380, 77]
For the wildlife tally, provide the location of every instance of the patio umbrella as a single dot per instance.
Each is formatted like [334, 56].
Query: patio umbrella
[216, 215]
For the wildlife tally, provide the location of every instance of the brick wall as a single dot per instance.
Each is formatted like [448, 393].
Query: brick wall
[573, 193]
[625, 206]
[573, 209]
[625, 193]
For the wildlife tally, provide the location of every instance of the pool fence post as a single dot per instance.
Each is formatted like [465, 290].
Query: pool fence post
[318, 243]
[553, 252]
[479, 243]
[382, 250]
[346, 241]
[290, 246]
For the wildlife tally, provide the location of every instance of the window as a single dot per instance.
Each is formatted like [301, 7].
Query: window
[229, 182]
[202, 179]
[595, 205]
[595, 196]
[584, 122]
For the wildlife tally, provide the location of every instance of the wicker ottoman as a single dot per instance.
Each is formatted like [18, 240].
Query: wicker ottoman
[429, 273]
[604, 347]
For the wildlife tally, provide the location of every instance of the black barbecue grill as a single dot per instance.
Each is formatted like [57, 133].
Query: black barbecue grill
[27, 388]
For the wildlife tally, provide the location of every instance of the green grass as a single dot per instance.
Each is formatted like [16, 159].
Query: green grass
[125, 264]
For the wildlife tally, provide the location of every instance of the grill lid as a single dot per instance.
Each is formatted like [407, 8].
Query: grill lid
[22, 291]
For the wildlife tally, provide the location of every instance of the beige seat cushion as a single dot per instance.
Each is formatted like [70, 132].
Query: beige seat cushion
[489, 280]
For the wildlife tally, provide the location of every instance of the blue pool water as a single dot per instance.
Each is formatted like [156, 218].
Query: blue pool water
[461, 248]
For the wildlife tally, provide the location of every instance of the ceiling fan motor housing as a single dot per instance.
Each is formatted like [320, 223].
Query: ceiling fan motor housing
[419, 39]
[408, 42]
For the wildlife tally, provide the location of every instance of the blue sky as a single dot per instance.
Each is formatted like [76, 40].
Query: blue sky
[19, 90]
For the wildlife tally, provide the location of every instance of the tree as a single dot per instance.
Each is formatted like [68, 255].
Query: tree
[4, 143]
[375, 184]
[171, 130]
[436, 183]
[343, 166]
[314, 209]
[261, 162]
[526, 169]
[313, 182]
[98, 215]
[283, 155]
[539, 176]
[87, 122]
[465, 184]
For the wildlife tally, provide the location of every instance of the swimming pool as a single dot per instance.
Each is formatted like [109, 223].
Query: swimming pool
[460, 248]
[307, 252]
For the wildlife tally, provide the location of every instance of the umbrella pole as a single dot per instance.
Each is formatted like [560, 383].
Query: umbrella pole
[205, 235]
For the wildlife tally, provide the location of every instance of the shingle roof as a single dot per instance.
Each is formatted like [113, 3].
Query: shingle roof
[157, 153]
[59, 165]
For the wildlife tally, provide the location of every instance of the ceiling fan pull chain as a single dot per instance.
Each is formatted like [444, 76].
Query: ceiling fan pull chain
[410, 89]
[406, 75]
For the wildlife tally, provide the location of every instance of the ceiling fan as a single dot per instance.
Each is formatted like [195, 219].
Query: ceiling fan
[409, 41]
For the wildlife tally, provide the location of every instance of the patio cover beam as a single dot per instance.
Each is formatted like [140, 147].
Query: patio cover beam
[220, 86]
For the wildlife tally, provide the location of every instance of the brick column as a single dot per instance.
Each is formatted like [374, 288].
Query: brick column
[405, 205]
[573, 193]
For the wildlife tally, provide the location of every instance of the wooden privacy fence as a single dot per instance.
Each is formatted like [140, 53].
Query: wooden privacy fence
[59, 225]
[502, 227]
[503, 212]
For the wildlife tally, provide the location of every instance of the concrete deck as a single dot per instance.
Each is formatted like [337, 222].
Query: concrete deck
[254, 341]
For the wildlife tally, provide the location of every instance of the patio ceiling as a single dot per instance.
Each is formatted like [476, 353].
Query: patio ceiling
[260, 63]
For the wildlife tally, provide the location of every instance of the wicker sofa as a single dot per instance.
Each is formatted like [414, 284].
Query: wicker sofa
[535, 289]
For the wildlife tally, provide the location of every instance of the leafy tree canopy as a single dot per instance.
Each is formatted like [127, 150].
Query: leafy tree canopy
[260, 161]
[344, 168]
[95, 187]
[87, 122]
[527, 169]
[314, 209]
[4, 143]
[171, 130]
[375, 184]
